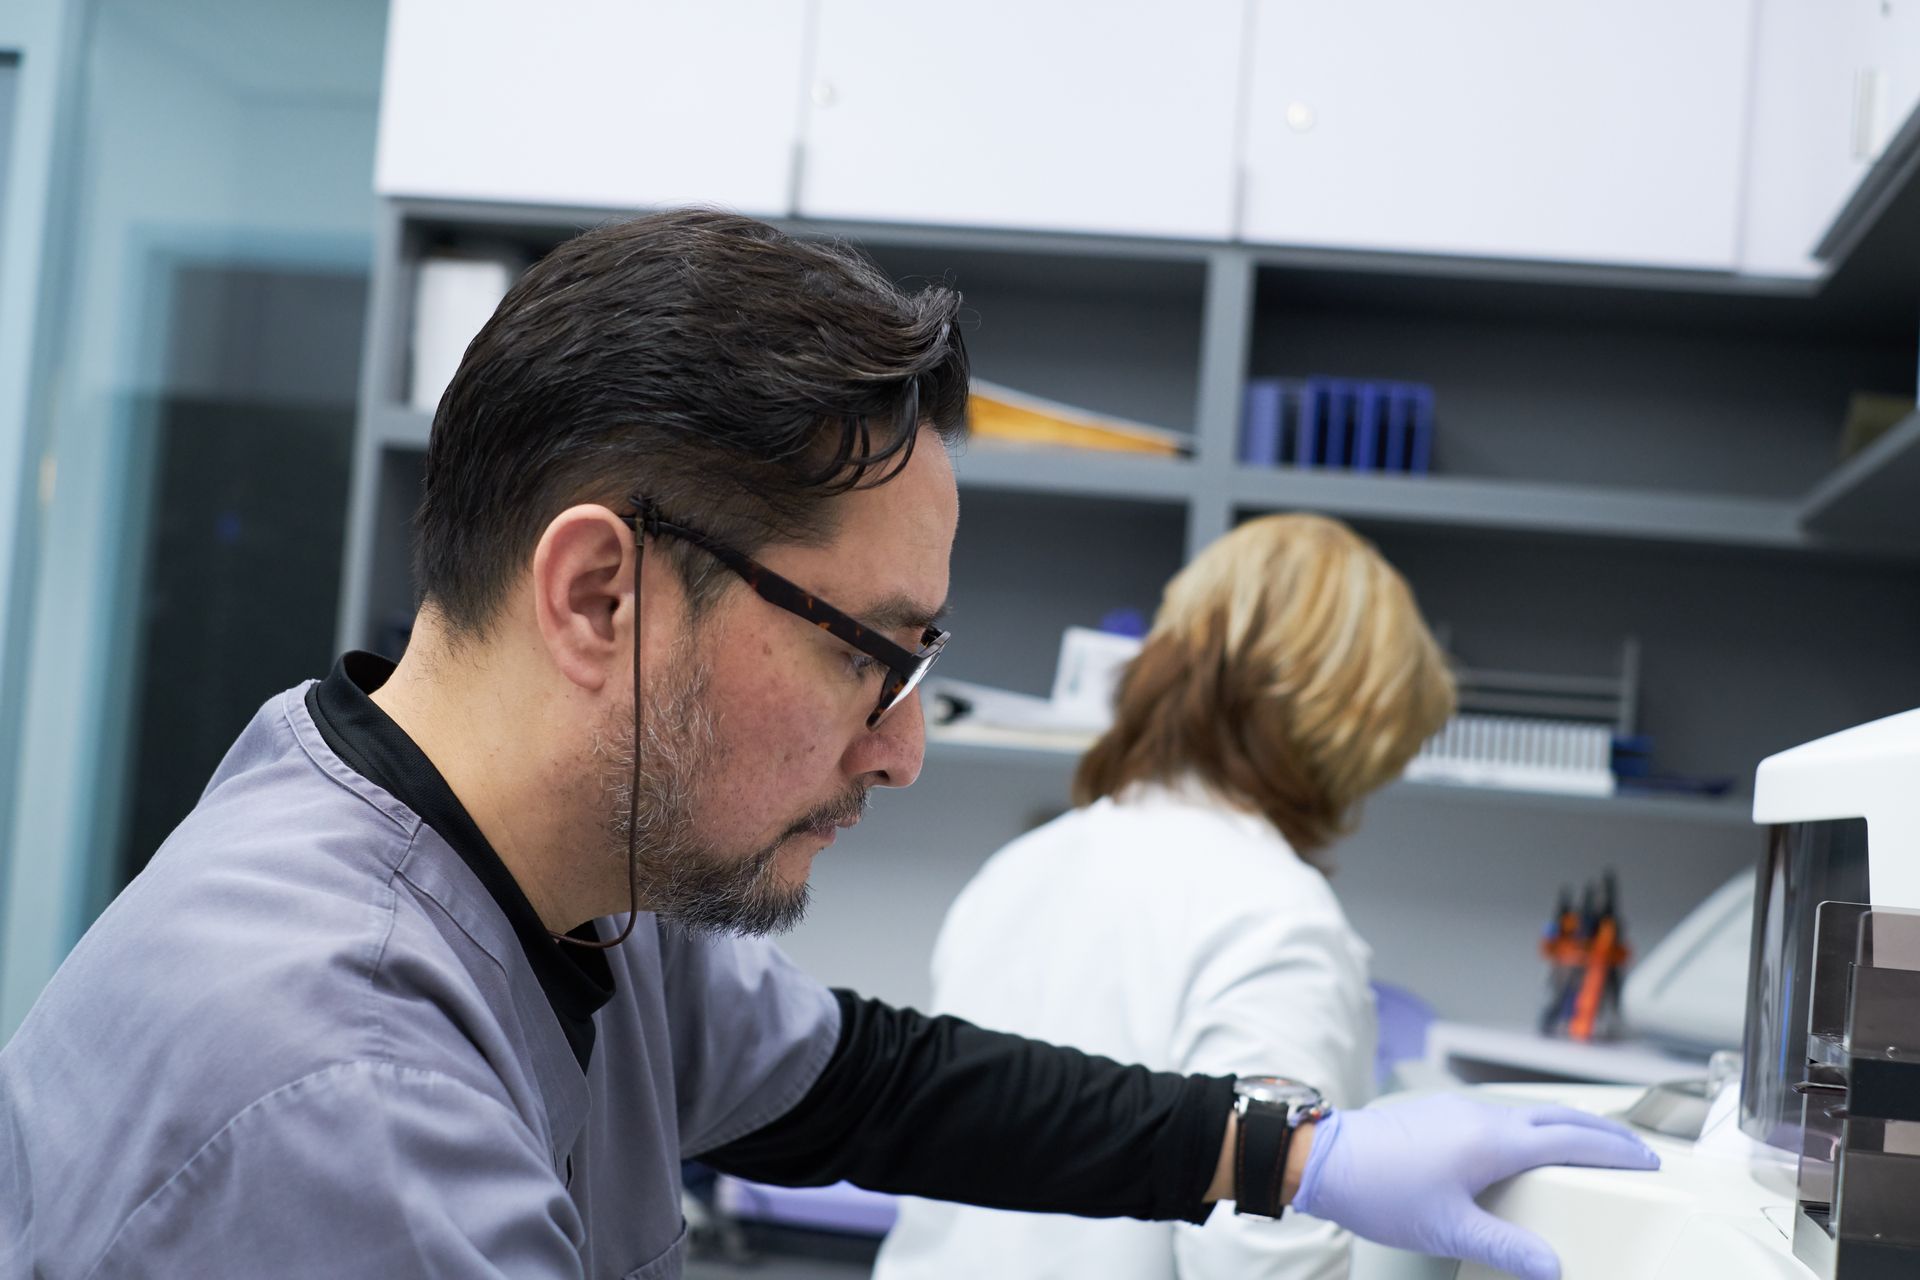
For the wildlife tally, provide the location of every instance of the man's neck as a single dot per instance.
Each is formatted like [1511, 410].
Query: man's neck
[483, 731]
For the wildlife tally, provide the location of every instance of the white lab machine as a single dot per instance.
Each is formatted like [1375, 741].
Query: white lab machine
[1810, 1168]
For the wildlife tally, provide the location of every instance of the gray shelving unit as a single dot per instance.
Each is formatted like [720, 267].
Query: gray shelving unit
[1718, 811]
[1630, 415]
[1863, 508]
[1525, 507]
[1621, 452]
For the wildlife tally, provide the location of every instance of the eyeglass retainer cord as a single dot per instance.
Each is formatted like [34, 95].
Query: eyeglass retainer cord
[646, 522]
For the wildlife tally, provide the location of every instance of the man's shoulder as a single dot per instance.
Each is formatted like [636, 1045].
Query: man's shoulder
[280, 776]
[280, 880]
[270, 936]
[229, 968]
[214, 1010]
[274, 958]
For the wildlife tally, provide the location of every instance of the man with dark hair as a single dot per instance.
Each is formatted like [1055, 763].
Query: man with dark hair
[456, 959]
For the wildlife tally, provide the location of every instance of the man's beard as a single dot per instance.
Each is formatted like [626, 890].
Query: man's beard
[682, 877]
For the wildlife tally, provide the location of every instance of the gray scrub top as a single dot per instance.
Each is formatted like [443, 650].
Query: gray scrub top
[305, 1042]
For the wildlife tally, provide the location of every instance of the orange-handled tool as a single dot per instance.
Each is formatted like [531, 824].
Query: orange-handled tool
[1603, 957]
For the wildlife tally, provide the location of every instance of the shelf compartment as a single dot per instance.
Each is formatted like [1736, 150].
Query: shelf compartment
[1714, 810]
[1869, 499]
[982, 465]
[1735, 394]
[1532, 507]
[1111, 325]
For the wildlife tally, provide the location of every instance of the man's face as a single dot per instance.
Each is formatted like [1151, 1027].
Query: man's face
[754, 743]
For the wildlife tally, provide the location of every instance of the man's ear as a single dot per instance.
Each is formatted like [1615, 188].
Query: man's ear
[582, 584]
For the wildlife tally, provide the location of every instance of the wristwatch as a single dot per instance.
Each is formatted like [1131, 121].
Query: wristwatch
[1270, 1109]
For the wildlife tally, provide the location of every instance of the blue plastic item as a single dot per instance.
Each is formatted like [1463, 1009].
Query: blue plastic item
[1334, 451]
[1260, 423]
[1367, 403]
[1632, 755]
[1309, 448]
[1420, 449]
[1393, 453]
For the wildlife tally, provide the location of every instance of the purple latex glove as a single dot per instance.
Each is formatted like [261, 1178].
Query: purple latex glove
[1406, 1175]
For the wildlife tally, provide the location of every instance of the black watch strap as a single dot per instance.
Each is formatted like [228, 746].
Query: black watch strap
[1260, 1157]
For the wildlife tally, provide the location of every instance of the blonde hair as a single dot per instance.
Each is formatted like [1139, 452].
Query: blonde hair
[1288, 670]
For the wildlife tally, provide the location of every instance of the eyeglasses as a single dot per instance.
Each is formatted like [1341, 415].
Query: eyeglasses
[905, 668]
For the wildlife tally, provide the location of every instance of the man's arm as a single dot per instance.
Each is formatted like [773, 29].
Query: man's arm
[938, 1107]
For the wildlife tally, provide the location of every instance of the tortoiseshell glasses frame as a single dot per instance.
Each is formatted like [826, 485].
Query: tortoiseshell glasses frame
[905, 667]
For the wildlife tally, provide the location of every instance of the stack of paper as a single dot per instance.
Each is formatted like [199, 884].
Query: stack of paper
[1003, 415]
[1079, 710]
[961, 711]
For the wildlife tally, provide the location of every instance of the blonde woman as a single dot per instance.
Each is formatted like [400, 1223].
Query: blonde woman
[1180, 916]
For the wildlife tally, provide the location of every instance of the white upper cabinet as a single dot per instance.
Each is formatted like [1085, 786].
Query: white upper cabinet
[1044, 114]
[1818, 103]
[1835, 82]
[619, 103]
[1708, 134]
[1608, 131]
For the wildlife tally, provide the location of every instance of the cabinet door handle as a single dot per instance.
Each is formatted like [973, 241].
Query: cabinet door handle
[1867, 84]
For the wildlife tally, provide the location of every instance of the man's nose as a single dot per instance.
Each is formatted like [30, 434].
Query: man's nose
[890, 755]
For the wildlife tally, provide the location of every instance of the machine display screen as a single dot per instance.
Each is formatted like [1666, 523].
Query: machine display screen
[1805, 864]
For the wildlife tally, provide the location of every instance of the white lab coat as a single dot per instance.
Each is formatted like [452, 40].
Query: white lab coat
[1170, 929]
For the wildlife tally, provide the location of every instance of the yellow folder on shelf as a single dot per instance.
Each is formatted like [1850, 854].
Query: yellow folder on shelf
[1006, 416]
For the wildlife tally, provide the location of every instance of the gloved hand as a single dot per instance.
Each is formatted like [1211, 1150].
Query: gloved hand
[1406, 1175]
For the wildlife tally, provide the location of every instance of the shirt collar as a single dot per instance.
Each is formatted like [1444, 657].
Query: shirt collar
[577, 981]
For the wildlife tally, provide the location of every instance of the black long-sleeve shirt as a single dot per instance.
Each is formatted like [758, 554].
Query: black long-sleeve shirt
[940, 1108]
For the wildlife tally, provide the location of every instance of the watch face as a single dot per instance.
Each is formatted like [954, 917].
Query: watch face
[1277, 1089]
